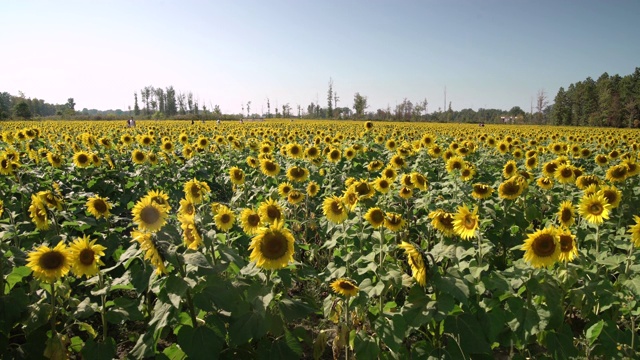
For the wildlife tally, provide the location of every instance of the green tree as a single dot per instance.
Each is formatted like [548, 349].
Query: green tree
[359, 105]
[5, 105]
[136, 108]
[330, 99]
[170, 106]
[21, 110]
[561, 114]
[71, 105]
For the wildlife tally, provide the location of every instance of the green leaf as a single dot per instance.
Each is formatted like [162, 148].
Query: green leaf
[174, 290]
[365, 347]
[174, 352]
[470, 332]
[454, 286]
[12, 308]
[560, 343]
[594, 331]
[197, 259]
[99, 350]
[16, 275]
[293, 343]
[392, 331]
[249, 326]
[199, 343]
[293, 309]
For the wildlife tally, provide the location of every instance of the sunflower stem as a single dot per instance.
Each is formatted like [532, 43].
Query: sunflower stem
[346, 324]
[479, 237]
[192, 312]
[52, 320]
[628, 265]
[380, 264]
[597, 238]
[103, 310]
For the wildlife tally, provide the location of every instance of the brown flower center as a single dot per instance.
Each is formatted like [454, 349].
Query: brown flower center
[100, 206]
[274, 245]
[51, 260]
[544, 245]
[86, 257]
[149, 215]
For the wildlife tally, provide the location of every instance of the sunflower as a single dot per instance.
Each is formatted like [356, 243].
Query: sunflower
[420, 181]
[295, 197]
[151, 250]
[566, 215]
[1, 207]
[481, 191]
[454, 163]
[52, 201]
[98, 207]
[85, 256]
[334, 155]
[250, 221]
[160, 198]
[564, 174]
[397, 162]
[405, 192]
[312, 152]
[375, 216]
[442, 221]
[295, 151]
[417, 261]
[312, 189]
[510, 189]
[568, 246]
[509, 169]
[138, 157]
[195, 191]
[252, 162]
[635, 231]
[632, 167]
[334, 209]
[542, 248]
[545, 183]
[465, 222]
[389, 173]
[405, 180]
[350, 198]
[297, 174]
[617, 173]
[531, 162]
[190, 235]
[394, 221]
[363, 189]
[148, 215]
[38, 213]
[612, 195]
[345, 287]
[187, 209]
[583, 181]
[549, 168]
[273, 247]
[82, 159]
[49, 265]
[284, 189]
[594, 208]
[54, 159]
[270, 211]
[375, 165]
[435, 151]
[224, 218]
[368, 125]
[269, 167]
[349, 153]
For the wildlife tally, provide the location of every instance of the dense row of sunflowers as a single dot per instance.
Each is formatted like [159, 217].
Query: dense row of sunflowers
[318, 239]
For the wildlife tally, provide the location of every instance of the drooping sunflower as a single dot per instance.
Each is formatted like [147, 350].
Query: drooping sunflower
[51, 200]
[442, 221]
[148, 215]
[634, 231]
[273, 247]
[269, 167]
[416, 261]
[250, 221]
[334, 209]
[568, 246]
[82, 159]
[465, 222]
[151, 250]
[297, 174]
[195, 190]
[375, 165]
[363, 189]
[375, 216]
[85, 256]
[54, 159]
[594, 208]
[405, 181]
[542, 248]
[481, 191]
[583, 181]
[190, 235]
[405, 192]
[394, 221]
[295, 197]
[159, 197]
[345, 287]
[419, 181]
[510, 189]
[617, 173]
[49, 265]
[38, 213]
[312, 188]
[98, 207]
[224, 218]
[187, 209]
[612, 195]
[545, 183]
[270, 211]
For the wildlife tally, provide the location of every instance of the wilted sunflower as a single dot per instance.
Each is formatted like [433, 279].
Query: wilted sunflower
[295, 197]
[568, 246]
[594, 208]
[635, 231]
[481, 191]
[148, 215]
[250, 221]
[270, 211]
[49, 265]
[363, 189]
[297, 174]
[375, 165]
[510, 189]
[54, 159]
[38, 213]
[273, 247]
[566, 215]
[151, 251]
[52, 201]
[394, 221]
[405, 192]
[195, 190]
[85, 256]
[417, 261]
[224, 218]
[583, 181]
[465, 222]
[334, 209]
[187, 209]
[345, 287]
[442, 221]
[375, 216]
[612, 195]
[617, 173]
[269, 167]
[82, 159]
[420, 181]
[98, 207]
[542, 248]
[312, 189]
[190, 235]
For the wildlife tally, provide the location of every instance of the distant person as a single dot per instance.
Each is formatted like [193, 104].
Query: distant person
[192, 122]
[218, 122]
[130, 122]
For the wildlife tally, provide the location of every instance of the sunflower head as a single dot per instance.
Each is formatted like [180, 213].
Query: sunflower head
[273, 247]
[334, 209]
[568, 247]
[270, 211]
[465, 222]
[49, 265]
[634, 231]
[417, 262]
[394, 221]
[542, 248]
[594, 208]
[195, 191]
[481, 191]
[375, 216]
[85, 256]
[148, 215]
[250, 221]
[224, 218]
[98, 207]
[345, 287]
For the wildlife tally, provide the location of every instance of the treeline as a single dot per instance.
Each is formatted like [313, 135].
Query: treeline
[21, 107]
[609, 101]
[159, 103]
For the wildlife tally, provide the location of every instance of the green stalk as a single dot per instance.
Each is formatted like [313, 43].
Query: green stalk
[597, 238]
[52, 320]
[346, 324]
[103, 310]
[190, 307]
[381, 260]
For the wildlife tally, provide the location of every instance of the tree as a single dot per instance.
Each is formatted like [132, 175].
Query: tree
[161, 99]
[268, 109]
[71, 105]
[5, 105]
[541, 104]
[248, 109]
[21, 110]
[359, 105]
[136, 108]
[170, 105]
[330, 99]
[181, 103]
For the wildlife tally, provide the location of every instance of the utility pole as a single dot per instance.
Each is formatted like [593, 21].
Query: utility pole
[445, 99]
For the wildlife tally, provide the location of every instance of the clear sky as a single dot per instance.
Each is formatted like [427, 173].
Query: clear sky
[488, 53]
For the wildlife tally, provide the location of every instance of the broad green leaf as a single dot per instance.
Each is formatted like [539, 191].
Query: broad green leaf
[99, 350]
[365, 347]
[594, 331]
[199, 343]
[471, 334]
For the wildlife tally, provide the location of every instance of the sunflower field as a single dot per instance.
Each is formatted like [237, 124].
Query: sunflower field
[318, 240]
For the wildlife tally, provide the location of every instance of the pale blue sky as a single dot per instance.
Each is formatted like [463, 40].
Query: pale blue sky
[489, 53]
